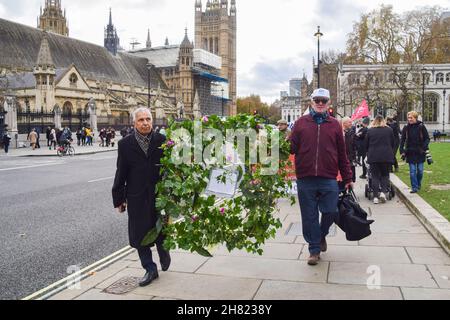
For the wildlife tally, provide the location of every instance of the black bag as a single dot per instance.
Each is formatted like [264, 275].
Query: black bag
[352, 219]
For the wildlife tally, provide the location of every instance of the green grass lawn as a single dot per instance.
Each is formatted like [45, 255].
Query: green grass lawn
[436, 174]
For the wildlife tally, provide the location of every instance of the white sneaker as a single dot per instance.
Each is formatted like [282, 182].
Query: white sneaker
[383, 197]
[376, 201]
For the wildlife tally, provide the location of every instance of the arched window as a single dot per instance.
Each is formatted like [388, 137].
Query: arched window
[73, 79]
[403, 114]
[440, 77]
[430, 110]
[447, 77]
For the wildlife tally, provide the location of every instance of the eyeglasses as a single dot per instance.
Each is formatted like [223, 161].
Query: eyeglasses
[319, 100]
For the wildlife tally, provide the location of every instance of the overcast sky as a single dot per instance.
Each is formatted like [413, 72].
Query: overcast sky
[275, 37]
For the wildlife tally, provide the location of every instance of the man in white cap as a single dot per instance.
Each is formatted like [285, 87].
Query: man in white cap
[319, 146]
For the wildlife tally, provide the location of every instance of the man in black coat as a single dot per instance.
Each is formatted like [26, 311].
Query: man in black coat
[393, 124]
[138, 172]
[360, 143]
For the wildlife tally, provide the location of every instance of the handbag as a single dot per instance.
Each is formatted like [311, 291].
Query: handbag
[352, 219]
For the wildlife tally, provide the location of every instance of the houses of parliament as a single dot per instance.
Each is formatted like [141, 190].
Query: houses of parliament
[43, 69]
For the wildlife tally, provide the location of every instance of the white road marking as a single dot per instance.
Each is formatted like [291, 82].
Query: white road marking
[29, 167]
[102, 179]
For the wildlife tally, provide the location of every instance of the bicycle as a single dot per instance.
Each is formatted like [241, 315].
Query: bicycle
[66, 150]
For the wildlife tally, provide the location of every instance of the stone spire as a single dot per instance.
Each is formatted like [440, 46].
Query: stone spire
[111, 40]
[45, 59]
[186, 42]
[149, 42]
[233, 7]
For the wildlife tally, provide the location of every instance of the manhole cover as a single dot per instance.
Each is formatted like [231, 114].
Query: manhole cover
[123, 286]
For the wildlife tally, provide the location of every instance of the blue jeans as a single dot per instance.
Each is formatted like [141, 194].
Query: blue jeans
[316, 194]
[416, 174]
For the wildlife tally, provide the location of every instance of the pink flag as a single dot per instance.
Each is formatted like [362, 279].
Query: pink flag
[362, 111]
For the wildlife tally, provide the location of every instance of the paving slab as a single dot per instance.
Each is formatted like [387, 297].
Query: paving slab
[186, 286]
[265, 269]
[441, 275]
[425, 294]
[408, 275]
[286, 290]
[378, 255]
[400, 240]
[428, 256]
[397, 224]
[97, 294]
[286, 251]
[181, 262]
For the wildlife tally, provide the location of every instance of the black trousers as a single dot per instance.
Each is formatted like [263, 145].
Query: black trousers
[380, 177]
[146, 256]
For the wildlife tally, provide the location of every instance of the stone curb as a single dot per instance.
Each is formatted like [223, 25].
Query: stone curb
[55, 155]
[79, 276]
[434, 222]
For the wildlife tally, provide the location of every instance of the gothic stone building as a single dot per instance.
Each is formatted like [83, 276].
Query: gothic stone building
[52, 18]
[380, 85]
[47, 70]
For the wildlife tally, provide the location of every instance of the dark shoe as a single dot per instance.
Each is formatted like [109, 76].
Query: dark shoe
[323, 245]
[148, 278]
[164, 258]
[314, 259]
[363, 177]
[413, 191]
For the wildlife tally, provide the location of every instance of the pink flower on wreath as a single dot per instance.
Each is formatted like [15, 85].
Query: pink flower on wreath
[170, 143]
[195, 218]
[255, 182]
[260, 126]
[205, 119]
[222, 211]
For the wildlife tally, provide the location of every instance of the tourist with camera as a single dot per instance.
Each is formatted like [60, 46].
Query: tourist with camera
[414, 149]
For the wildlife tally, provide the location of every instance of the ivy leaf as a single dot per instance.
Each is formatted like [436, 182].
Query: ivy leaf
[203, 252]
[153, 234]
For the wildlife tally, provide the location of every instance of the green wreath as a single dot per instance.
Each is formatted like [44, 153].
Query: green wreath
[244, 221]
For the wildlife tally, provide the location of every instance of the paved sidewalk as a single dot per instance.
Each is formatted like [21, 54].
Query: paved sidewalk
[45, 152]
[411, 266]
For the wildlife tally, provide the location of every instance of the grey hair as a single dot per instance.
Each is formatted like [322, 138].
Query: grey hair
[139, 110]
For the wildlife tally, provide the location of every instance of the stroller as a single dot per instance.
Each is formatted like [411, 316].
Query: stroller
[369, 190]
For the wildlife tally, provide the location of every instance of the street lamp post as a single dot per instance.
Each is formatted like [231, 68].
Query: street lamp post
[318, 34]
[149, 67]
[222, 104]
[443, 112]
[423, 91]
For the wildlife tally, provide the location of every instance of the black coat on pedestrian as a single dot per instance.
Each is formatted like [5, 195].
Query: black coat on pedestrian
[135, 184]
[380, 145]
[414, 143]
[350, 145]
[360, 139]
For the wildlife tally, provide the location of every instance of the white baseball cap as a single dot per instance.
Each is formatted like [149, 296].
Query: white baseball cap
[321, 93]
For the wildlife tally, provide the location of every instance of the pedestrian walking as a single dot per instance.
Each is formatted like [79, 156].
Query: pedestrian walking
[138, 172]
[32, 137]
[47, 135]
[78, 134]
[83, 136]
[349, 136]
[6, 141]
[393, 124]
[361, 133]
[53, 139]
[318, 144]
[380, 145]
[413, 147]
